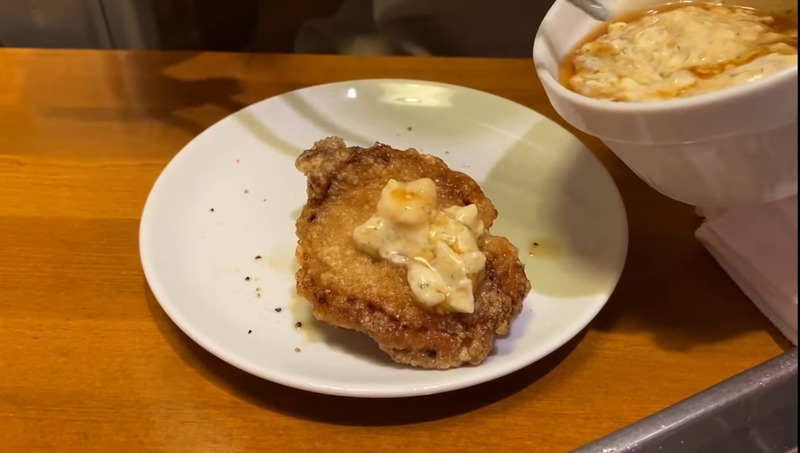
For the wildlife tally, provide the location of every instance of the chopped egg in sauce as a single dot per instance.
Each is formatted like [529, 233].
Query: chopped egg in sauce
[680, 51]
[438, 247]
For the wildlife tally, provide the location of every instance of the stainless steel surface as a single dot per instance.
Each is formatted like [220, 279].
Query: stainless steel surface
[755, 411]
[593, 8]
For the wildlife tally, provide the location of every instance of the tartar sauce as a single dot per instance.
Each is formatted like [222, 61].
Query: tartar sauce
[681, 52]
[438, 247]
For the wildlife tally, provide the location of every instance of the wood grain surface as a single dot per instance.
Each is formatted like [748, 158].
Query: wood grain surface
[89, 361]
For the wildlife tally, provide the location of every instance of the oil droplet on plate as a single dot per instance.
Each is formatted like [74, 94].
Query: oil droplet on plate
[282, 259]
[545, 249]
[295, 214]
[552, 264]
[302, 317]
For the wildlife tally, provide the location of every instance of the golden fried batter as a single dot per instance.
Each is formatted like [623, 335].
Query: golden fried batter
[350, 289]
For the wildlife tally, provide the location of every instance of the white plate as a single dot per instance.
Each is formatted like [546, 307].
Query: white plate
[548, 189]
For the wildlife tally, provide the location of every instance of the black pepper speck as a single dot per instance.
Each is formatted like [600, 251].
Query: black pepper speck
[247, 279]
[258, 257]
[211, 210]
[246, 191]
[249, 332]
[298, 324]
[278, 310]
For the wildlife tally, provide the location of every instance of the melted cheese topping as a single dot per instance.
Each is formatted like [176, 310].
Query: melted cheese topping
[439, 248]
[681, 52]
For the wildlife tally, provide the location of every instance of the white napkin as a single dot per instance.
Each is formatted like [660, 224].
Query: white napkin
[757, 246]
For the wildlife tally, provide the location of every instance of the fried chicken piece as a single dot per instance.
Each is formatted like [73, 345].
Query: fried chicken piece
[350, 289]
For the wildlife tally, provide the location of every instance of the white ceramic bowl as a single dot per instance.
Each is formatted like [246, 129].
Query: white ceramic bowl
[713, 150]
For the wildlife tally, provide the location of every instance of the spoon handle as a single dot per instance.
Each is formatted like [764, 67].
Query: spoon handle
[593, 8]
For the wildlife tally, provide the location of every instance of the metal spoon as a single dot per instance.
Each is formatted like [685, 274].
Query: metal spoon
[593, 8]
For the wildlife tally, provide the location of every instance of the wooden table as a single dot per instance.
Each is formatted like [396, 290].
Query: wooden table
[89, 361]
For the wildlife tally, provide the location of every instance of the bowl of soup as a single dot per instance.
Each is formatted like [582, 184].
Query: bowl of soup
[698, 99]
